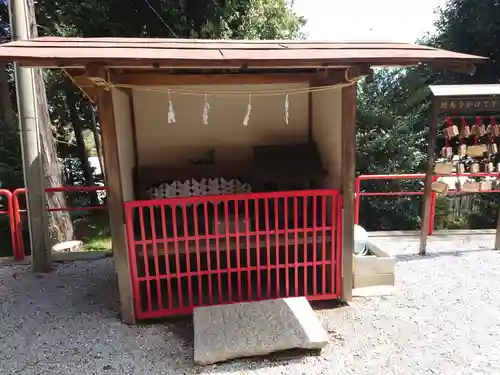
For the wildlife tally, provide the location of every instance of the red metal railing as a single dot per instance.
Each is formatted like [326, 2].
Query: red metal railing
[196, 251]
[15, 218]
[414, 176]
[10, 212]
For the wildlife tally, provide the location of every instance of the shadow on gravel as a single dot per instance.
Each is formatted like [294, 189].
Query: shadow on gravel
[456, 253]
[266, 362]
[182, 328]
[327, 304]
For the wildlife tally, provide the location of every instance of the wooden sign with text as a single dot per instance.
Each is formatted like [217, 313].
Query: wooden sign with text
[461, 105]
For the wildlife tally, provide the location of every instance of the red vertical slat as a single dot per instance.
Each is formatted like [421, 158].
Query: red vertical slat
[198, 255]
[167, 258]
[334, 250]
[247, 243]
[239, 270]
[268, 247]
[277, 249]
[17, 223]
[217, 253]
[323, 244]
[315, 265]
[187, 254]
[257, 249]
[357, 198]
[338, 248]
[306, 241]
[296, 244]
[177, 255]
[287, 261]
[228, 250]
[208, 254]
[156, 257]
[145, 258]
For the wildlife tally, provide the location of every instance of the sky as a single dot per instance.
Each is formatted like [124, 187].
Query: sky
[382, 20]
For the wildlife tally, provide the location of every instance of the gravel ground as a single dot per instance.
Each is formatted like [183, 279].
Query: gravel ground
[444, 318]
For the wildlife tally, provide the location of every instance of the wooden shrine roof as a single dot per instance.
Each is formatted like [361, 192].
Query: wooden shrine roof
[143, 52]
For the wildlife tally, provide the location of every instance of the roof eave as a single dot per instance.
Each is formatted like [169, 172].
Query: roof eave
[437, 63]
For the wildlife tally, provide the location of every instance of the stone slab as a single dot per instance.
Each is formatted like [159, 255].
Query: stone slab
[68, 247]
[255, 328]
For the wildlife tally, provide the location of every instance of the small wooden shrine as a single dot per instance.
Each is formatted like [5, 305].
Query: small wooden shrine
[230, 165]
[464, 136]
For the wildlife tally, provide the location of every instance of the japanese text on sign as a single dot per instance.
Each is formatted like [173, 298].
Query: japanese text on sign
[469, 105]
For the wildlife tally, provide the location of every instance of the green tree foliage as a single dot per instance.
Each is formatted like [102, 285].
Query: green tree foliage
[222, 19]
[471, 26]
[10, 148]
[391, 138]
[10, 157]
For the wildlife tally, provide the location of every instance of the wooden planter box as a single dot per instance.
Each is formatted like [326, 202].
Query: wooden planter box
[374, 269]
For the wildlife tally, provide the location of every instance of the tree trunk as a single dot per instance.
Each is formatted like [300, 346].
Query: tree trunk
[83, 156]
[60, 225]
[97, 141]
[84, 159]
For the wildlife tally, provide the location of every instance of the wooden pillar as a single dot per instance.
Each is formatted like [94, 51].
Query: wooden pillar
[348, 179]
[115, 202]
[429, 174]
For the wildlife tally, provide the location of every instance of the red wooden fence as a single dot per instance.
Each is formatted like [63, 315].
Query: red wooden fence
[194, 251]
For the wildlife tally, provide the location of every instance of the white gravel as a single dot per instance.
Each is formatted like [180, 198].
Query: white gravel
[443, 319]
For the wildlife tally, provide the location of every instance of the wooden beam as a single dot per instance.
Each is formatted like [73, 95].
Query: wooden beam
[361, 70]
[83, 80]
[97, 73]
[339, 76]
[94, 76]
[81, 62]
[115, 202]
[348, 191]
[429, 174]
[86, 86]
[165, 79]
[134, 140]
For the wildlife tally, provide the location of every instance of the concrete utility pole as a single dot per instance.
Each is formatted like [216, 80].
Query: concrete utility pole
[21, 26]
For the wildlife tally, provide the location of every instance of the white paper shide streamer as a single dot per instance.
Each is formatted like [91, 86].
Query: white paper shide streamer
[206, 109]
[287, 106]
[171, 113]
[249, 109]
